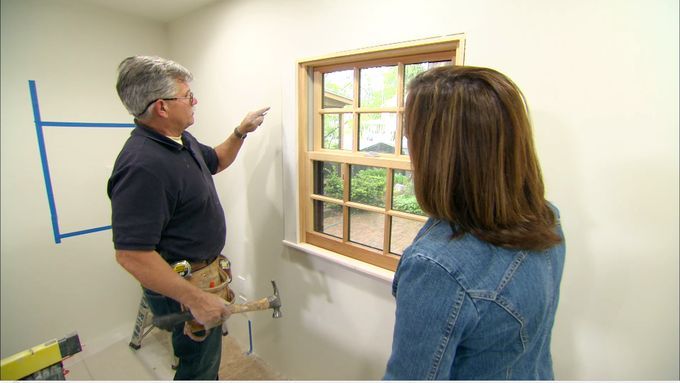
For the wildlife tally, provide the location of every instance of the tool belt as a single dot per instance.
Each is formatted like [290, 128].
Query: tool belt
[213, 278]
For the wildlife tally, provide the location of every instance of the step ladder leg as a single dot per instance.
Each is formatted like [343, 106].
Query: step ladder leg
[143, 324]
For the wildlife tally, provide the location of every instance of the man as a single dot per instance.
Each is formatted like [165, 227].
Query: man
[164, 204]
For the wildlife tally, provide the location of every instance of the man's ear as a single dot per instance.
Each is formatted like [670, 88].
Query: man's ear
[161, 108]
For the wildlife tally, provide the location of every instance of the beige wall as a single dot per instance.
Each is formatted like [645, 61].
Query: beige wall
[48, 290]
[601, 78]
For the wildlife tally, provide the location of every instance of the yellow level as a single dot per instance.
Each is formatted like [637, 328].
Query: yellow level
[36, 358]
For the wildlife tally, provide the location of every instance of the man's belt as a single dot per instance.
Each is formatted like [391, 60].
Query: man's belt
[197, 265]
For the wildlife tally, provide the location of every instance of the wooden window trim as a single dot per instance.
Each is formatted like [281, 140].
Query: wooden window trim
[310, 73]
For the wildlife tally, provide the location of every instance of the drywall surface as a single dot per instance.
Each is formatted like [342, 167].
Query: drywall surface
[601, 79]
[71, 50]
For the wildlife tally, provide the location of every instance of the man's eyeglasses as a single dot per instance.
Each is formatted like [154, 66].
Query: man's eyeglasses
[190, 97]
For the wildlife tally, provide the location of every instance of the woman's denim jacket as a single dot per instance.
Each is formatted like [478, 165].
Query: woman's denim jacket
[470, 310]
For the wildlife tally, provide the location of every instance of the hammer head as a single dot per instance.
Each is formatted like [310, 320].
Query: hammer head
[275, 303]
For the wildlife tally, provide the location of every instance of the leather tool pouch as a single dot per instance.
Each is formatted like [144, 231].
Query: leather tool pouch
[214, 279]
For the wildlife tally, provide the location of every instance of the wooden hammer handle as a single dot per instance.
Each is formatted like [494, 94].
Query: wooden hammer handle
[260, 304]
[168, 322]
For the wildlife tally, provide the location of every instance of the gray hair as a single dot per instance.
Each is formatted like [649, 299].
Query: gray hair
[144, 79]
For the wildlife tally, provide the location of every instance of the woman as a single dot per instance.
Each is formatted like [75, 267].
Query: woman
[477, 290]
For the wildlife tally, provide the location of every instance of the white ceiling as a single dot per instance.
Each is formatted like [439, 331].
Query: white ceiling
[158, 10]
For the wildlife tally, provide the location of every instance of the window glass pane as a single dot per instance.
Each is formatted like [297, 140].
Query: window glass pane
[412, 70]
[377, 131]
[328, 179]
[338, 89]
[403, 197]
[404, 140]
[331, 131]
[403, 232]
[337, 131]
[378, 87]
[328, 218]
[367, 185]
[346, 131]
[366, 228]
[404, 145]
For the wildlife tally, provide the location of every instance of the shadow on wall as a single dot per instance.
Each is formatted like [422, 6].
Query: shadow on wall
[575, 293]
[605, 284]
[263, 233]
[313, 338]
[327, 335]
[564, 349]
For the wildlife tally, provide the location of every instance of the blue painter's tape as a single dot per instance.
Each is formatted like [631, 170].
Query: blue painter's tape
[39, 124]
[43, 160]
[87, 231]
[87, 124]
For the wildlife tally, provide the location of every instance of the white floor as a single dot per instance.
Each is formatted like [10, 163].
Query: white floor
[152, 361]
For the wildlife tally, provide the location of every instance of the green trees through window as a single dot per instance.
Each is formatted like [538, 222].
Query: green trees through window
[368, 185]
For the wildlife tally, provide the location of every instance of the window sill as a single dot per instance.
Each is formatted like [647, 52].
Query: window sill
[350, 263]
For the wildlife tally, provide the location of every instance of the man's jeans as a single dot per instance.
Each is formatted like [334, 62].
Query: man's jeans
[197, 360]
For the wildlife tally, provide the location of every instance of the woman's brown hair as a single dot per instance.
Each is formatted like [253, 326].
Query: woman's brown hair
[472, 153]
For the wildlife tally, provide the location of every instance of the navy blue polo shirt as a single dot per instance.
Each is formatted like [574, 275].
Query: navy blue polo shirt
[163, 197]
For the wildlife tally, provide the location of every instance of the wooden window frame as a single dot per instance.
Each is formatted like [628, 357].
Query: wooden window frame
[310, 114]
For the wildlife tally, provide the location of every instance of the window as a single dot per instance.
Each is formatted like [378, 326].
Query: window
[356, 194]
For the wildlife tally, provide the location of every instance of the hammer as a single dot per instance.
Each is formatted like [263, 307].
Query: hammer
[168, 322]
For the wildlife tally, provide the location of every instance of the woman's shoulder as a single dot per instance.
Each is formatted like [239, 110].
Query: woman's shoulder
[471, 261]
[436, 242]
